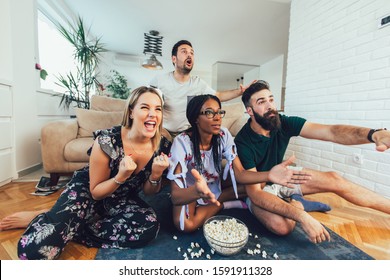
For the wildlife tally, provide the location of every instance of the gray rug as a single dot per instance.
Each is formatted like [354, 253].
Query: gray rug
[295, 246]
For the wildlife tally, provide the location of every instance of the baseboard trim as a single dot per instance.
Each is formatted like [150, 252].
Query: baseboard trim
[30, 170]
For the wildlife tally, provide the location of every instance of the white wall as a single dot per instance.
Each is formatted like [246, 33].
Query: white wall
[6, 45]
[24, 108]
[339, 72]
[272, 72]
[23, 28]
[251, 75]
[7, 151]
[130, 67]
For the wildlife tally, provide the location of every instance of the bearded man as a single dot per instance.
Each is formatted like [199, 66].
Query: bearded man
[262, 143]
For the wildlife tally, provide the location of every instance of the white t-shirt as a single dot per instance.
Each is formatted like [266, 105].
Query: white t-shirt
[176, 96]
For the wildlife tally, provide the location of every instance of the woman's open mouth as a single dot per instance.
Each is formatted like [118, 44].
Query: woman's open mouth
[150, 125]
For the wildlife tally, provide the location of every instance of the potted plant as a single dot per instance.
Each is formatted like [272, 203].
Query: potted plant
[78, 86]
[117, 85]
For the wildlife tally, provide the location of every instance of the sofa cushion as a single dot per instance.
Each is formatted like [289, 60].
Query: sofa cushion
[76, 150]
[108, 104]
[91, 120]
[238, 124]
[234, 111]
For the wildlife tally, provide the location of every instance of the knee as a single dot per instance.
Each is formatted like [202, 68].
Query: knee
[23, 253]
[281, 227]
[27, 251]
[334, 176]
[188, 226]
[334, 182]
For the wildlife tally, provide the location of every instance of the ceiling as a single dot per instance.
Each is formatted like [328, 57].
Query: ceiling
[235, 31]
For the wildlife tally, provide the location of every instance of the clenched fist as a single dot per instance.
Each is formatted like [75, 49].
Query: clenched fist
[160, 163]
[126, 168]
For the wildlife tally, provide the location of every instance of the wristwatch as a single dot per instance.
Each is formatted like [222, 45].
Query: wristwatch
[372, 131]
[154, 183]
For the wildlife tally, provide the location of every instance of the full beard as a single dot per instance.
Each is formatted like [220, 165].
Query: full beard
[267, 122]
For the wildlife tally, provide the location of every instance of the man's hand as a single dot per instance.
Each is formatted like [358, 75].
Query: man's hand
[382, 140]
[202, 188]
[243, 88]
[281, 175]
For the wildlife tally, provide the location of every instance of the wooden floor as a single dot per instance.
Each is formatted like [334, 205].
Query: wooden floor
[367, 229]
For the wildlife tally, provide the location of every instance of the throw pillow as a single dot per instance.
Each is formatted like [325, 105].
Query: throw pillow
[91, 120]
[108, 104]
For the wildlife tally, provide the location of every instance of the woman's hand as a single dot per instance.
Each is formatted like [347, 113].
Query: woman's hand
[202, 188]
[160, 163]
[126, 168]
[281, 175]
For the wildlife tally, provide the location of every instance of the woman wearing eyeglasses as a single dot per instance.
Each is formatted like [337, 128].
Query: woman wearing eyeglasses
[199, 186]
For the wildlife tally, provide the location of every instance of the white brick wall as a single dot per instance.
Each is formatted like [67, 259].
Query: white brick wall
[338, 71]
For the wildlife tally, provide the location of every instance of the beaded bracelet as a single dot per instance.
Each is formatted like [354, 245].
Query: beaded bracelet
[118, 182]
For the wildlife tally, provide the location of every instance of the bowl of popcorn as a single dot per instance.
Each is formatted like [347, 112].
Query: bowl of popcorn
[225, 234]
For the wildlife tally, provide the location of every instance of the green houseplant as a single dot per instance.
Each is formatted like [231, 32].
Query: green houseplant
[117, 85]
[79, 85]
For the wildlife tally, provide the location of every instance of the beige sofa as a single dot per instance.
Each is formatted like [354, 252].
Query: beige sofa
[64, 143]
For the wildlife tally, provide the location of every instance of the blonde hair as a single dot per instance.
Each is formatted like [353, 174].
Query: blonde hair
[130, 104]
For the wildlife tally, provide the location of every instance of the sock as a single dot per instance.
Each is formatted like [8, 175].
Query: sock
[235, 204]
[311, 206]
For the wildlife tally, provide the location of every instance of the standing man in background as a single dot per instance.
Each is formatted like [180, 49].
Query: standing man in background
[179, 86]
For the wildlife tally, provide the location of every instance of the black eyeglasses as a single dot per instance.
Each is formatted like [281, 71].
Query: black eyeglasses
[210, 114]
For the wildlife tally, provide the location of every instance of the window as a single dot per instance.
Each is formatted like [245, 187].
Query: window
[55, 53]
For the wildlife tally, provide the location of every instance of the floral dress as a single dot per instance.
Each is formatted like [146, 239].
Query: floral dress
[182, 152]
[120, 220]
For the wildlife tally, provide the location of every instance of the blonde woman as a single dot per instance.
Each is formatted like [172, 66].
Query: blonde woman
[100, 206]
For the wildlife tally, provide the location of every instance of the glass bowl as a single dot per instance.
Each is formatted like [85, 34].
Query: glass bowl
[226, 235]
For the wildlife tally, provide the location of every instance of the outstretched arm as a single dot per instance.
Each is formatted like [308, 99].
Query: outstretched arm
[233, 93]
[346, 135]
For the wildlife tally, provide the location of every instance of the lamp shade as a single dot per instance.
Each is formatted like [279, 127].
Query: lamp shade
[152, 63]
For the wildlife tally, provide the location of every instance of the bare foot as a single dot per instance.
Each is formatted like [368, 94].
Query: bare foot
[19, 219]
